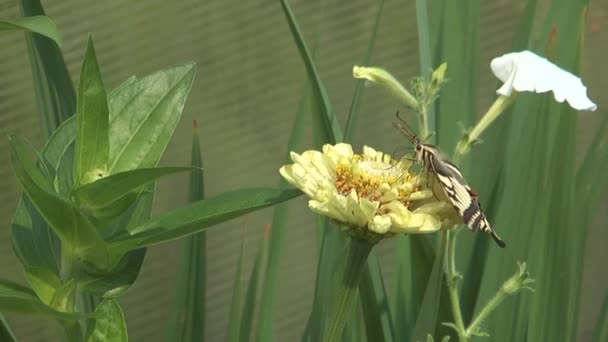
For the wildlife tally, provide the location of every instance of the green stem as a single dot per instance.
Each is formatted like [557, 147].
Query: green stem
[492, 304]
[358, 251]
[500, 105]
[452, 277]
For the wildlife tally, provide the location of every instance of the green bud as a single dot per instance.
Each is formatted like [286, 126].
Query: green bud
[386, 80]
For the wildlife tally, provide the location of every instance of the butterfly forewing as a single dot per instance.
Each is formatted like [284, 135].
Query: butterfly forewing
[457, 191]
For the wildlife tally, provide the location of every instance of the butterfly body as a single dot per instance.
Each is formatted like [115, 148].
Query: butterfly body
[464, 199]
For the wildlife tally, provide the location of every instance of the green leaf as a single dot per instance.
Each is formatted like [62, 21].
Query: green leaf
[44, 282]
[200, 215]
[600, 332]
[6, 334]
[116, 282]
[426, 56]
[17, 298]
[109, 323]
[55, 93]
[353, 112]
[329, 116]
[143, 116]
[37, 24]
[252, 290]
[187, 321]
[67, 221]
[92, 141]
[277, 233]
[105, 191]
[234, 317]
[427, 315]
[376, 314]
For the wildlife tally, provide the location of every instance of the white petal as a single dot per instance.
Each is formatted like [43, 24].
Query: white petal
[526, 71]
[380, 224]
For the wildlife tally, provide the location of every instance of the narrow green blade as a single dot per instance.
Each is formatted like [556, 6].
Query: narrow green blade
[6, 334]
[201, 215]
[52, 82]
[353, 112]
[252, 291]
[234, 317]
[105, 191]
[600, 332]
[187, 322]
[329, 116]
[37, 24]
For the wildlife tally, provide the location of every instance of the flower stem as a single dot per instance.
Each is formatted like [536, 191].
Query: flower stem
[452, 277]
[358, 251]
[492, 304]
[500, 105]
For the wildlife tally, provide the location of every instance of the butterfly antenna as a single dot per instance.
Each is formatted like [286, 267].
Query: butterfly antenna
[405, 128]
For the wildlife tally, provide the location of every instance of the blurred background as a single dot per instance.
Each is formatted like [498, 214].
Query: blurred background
[249, 80]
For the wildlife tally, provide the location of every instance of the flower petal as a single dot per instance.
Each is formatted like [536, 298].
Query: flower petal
[526, 71]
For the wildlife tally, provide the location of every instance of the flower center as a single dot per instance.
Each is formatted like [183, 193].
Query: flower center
[366, 177]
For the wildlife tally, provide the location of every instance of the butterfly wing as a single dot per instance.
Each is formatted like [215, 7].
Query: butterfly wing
[461, 196]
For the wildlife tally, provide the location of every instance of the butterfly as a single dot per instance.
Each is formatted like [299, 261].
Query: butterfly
[464, 199]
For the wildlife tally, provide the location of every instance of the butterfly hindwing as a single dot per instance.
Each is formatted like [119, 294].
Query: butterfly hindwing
[461, 196]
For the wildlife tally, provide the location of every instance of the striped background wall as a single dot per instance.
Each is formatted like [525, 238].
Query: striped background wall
[245, 95]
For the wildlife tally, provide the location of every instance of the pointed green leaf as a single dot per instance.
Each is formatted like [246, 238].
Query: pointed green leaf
[109, 323]
[144, 116]
[252, 291]
[600, 332]
[353, 112]
[114, 283]
[17, 298]
[44, 282]
[277, 232]
[37, 24]
[377, 315]
[6, 334]
[187, 321]
[427, 315]
[105, 191]
[92, 141]
[53, 85]
[329, 116]
[67, 221]
[200, 215]
[234, 317]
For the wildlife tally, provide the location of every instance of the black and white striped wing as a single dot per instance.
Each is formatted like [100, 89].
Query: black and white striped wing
[462, 197]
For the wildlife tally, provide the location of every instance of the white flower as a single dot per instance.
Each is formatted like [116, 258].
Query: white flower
[367, 192]
[526, 71]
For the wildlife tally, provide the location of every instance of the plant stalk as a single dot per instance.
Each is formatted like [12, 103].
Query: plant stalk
[358, 251]
[487, 309]
[452, 278]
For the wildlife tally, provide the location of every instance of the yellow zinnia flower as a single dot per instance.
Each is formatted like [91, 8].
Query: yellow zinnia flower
[369, 194]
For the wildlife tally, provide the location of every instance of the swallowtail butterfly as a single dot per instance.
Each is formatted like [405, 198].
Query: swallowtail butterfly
[464, 199]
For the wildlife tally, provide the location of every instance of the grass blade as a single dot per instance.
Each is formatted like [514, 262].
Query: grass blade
[600, 333]
[187, 321]
[329, 117]
[426, 57]
[55, 92]
[252, 291]
[353, 112]
[234, 317]
[6, 334]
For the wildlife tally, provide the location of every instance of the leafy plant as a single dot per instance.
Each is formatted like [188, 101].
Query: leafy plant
[83, 223]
